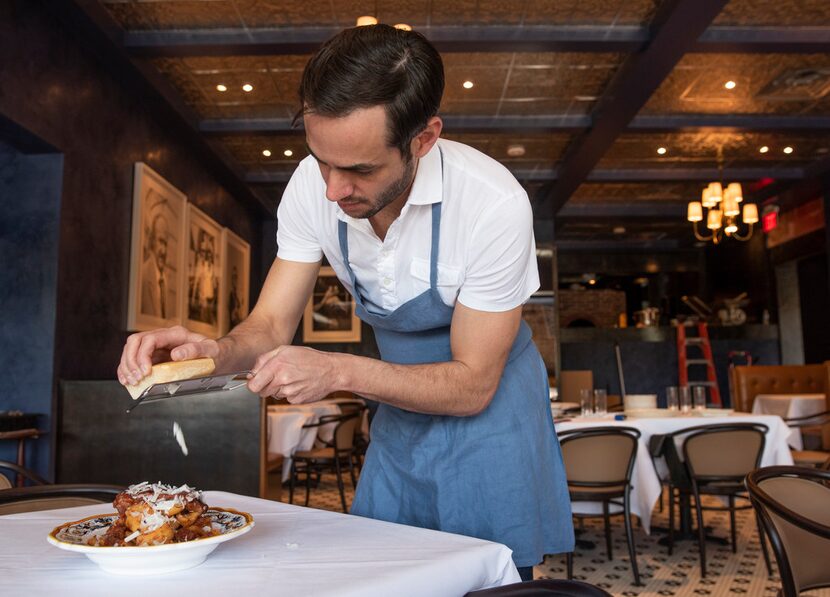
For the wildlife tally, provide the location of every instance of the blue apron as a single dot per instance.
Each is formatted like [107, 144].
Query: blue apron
[497, 475]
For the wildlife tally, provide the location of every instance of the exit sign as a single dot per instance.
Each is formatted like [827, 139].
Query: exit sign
[769, 221]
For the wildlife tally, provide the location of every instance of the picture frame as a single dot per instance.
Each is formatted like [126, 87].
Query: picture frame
[330, 312]
[201, 301]
[234, 305]
[156, 252]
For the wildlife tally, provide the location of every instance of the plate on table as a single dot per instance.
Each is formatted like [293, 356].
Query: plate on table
[714, 412]
[150, 559]
[651, 413]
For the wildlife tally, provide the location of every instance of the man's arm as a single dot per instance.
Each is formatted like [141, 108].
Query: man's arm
[463, 386]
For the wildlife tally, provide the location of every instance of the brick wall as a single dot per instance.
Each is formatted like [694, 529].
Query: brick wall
[600, 307]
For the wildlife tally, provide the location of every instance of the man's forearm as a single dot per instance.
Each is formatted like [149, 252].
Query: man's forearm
[243, 344]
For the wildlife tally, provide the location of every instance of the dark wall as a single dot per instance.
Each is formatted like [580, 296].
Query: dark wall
[815, 299]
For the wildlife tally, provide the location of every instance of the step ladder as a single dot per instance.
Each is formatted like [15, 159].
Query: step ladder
[701, 341]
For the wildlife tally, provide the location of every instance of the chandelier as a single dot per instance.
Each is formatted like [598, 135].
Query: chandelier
[723, 213]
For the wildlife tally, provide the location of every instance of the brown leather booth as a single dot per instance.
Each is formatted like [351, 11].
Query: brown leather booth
[748, 382]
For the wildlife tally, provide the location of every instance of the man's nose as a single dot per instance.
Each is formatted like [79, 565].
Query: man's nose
[338, 186]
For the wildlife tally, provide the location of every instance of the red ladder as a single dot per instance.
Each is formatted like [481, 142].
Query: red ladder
[684, 362]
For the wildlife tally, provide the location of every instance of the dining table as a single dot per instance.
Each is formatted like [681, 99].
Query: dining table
[790, 406]
[646, 476]
[291, 550]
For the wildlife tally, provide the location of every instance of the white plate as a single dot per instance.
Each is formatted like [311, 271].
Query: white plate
[152, 559]
[651, 413]
[714, 412]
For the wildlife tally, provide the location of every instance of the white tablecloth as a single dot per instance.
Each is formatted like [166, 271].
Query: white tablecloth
[285, 429]
[645, 482]
[788, 406]
[290, 551]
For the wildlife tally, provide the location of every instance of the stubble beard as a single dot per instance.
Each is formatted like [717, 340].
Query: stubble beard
[393, 191]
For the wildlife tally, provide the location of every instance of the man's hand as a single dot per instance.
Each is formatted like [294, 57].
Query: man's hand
[176, 343]
[296, 373]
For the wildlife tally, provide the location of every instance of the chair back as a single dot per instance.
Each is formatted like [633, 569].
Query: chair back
[51, 497]
[571, 382]
[749, 381]
[599, 456]
[4, 482]
[344, 432]
[793, 506]
[548, 587]
[38, 504]
[724, 452]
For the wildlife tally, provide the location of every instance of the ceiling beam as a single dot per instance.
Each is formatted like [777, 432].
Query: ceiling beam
[639, 209]
[677, 26]
[481, 38]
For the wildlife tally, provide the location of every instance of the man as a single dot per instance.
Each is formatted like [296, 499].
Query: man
[434, 240]
[155, 288]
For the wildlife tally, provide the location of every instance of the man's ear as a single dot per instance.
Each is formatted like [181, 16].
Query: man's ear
[424, 140]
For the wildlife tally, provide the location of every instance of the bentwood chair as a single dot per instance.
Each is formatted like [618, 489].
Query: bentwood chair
[50, 497]
[10, 469]
[794, 506]
[598, 464]
[816, 422]
[718, 458]
[542, 588]
[329, 458]
[361, 440]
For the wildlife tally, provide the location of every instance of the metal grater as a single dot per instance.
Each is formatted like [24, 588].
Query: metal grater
[187, 387]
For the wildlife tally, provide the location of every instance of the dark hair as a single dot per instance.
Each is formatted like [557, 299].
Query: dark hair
[376, 65]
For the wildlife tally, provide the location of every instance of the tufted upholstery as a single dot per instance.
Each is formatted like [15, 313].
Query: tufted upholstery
[748, 382]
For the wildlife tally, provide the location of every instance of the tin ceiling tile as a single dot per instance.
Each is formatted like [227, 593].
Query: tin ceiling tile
[775, 13]
[174, 14]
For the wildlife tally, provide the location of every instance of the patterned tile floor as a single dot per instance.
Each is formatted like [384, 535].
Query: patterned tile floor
[742, 573]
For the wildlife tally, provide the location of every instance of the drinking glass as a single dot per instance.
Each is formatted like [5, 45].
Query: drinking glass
[699, 397]
[586, 402]
[671, 398]
[685, 399]
[600, 402]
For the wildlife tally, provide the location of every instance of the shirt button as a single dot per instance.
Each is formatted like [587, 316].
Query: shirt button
[387, 282]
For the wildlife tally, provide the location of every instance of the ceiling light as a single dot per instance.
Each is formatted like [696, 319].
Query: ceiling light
[247, 87]
[619, 230]
[403, 27]
[366, 20]
[592, 281]
[515, 151]
[788, 149]
[266, 153]
[288, 153]
[730, 84]
[221, 87]
[467, 84]
[662, 150]
[764, 149]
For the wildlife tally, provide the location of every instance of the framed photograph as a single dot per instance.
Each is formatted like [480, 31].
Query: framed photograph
[203, 260]
[157, 252]
[233, 306]
[330, 315]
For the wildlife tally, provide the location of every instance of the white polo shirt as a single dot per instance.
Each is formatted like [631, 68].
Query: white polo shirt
[486, 255]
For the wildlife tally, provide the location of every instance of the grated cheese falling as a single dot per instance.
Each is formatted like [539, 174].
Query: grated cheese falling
[177, 433]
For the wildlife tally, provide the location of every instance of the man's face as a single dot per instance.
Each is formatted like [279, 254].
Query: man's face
[363, 174]
[160, 245]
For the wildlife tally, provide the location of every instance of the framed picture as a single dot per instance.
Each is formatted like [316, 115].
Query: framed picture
[330, 315]
[233, 306]
[157, 252]
[201, 300]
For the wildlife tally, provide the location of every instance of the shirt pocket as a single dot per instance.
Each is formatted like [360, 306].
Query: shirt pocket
[449, 279]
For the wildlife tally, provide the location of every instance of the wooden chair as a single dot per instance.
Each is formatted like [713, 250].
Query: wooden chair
[51, 497]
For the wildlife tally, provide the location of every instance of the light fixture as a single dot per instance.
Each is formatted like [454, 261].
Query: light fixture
[730, 84]
[764, 149]
[403, 27]
[266, 153]
[661, 150]
[694, 212]
[288, 153]
[619, 230]
[247, 88]
[750, 215]
[366, 20]
[221, 87]
[592, 281]
[723, 215]
[516, 150]
[467, 84]
[788, 149]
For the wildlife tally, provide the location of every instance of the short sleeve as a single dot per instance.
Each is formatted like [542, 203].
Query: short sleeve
[501, 271]
[297, 239]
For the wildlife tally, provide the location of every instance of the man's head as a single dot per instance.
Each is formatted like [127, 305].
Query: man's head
[370, 98]
[158, 240]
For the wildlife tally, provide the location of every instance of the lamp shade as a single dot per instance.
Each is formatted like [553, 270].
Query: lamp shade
[734, 189]
[694, 212]
[715, 191]
[730, 206]
[713, 219]
[731, 227]
[750, 213]
[706, 198]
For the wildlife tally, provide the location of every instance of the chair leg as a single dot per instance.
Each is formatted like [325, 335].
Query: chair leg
[606, 516]
[569, 560]
[701, 532]
[340, 487]
[351, 471]
[732, 532]
[291, 479]
[629, 536]
[671, 519]
[763, 539]
[307, 482]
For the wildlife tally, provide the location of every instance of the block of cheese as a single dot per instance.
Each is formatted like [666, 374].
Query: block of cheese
[172, 371]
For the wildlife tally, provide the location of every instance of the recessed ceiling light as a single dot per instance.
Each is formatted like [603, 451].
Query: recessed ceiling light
[288, 153]
[266, 153]
[764, 149]
[516, 151]
[366, 20]
[788, 149]
[730, 84]
[619, 230]
[247, 87]
[467, 84]
[221, 87]
[662, 150]
[592, 281]
[403, 27]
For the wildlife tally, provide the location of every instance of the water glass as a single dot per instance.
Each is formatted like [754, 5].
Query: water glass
[685, 399]
[586, 402]
[600, 402]
[671, 398]
[699, 397]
